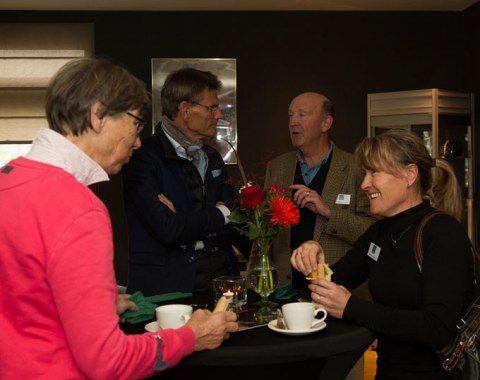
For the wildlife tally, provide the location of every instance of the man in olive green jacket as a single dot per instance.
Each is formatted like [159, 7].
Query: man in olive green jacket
[323, 180]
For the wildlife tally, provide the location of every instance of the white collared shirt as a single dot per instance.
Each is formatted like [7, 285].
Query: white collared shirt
[52, 148]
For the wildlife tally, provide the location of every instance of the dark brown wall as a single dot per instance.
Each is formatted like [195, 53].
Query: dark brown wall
[345, 55]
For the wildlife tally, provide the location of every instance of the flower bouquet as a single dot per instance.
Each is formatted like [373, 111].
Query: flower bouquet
[261, 216]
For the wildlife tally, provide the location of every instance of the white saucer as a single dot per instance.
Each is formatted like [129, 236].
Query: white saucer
[152, 326]
[317, 326]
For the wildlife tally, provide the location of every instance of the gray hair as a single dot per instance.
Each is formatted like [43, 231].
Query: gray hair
[186, 84]
[82, 82]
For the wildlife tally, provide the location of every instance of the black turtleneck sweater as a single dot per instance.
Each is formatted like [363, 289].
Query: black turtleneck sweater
[413, 313]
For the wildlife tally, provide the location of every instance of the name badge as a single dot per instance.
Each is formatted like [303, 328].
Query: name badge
[343, 199]
[374, 251]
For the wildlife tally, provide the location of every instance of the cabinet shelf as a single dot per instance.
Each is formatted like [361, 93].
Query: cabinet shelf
[444, 120]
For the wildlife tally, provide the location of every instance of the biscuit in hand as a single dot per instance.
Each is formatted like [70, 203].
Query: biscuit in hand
[322, 271]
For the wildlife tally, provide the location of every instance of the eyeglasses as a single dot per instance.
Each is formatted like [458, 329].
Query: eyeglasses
[212, 109]
[140, 123]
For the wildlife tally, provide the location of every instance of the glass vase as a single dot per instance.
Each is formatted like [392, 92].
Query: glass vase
[262, 274]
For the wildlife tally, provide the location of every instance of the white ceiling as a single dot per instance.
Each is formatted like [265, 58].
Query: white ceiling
[238, 5]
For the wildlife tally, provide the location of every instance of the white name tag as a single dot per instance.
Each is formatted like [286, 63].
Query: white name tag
[374, 251]
[343, 199]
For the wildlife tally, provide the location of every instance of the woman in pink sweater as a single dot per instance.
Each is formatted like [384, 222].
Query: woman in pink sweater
[58, 295]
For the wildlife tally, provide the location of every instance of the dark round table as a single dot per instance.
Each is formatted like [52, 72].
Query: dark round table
[327, 354]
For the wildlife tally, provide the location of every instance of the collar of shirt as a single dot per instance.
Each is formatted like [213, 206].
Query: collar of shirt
[178, 148]
[52, 148]
[309, 173]
[202, 163]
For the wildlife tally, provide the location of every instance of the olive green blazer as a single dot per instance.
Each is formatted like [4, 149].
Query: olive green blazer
[347, 222]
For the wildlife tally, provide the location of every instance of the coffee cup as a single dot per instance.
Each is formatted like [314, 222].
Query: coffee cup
[173, 316]
[301, 315]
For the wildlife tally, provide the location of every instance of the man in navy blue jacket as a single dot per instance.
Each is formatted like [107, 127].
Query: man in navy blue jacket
[178, 194]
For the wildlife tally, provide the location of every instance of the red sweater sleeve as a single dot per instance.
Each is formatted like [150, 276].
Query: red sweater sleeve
[174, 345]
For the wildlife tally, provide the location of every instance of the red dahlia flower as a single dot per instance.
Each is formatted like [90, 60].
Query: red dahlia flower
[283, 211]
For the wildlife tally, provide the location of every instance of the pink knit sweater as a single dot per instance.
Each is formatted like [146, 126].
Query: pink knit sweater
[57, 286]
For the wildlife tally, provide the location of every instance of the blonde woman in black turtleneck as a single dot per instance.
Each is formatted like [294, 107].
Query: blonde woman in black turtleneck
[413, 312]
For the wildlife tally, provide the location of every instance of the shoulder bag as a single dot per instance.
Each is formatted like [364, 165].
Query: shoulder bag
[461, 357]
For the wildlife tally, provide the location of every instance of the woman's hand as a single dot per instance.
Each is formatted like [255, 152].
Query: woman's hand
[123, 304]
[324, 293]
[306, 257]
[211, 329]
[329, 295]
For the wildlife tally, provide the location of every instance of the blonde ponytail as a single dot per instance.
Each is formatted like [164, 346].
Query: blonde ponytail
[445, 192]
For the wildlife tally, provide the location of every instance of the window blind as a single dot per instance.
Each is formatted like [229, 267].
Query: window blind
[30, 54]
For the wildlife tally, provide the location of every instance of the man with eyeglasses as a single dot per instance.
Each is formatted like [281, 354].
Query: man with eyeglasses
[178, 194]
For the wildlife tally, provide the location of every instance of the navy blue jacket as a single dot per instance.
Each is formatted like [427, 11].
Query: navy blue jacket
[161, 243]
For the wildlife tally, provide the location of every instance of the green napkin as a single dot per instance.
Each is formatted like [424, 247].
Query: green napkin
[168, 297]
[146, 307]
[285, 292]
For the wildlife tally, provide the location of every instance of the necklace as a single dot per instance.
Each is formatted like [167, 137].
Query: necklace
[395, 241]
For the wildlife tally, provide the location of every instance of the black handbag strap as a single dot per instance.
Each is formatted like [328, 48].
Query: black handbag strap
[417, 242]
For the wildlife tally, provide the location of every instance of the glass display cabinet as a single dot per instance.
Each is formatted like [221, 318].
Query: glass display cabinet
[444, 120]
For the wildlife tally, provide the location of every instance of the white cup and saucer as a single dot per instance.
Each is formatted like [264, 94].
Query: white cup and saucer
[170, 317]
[300, 318]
